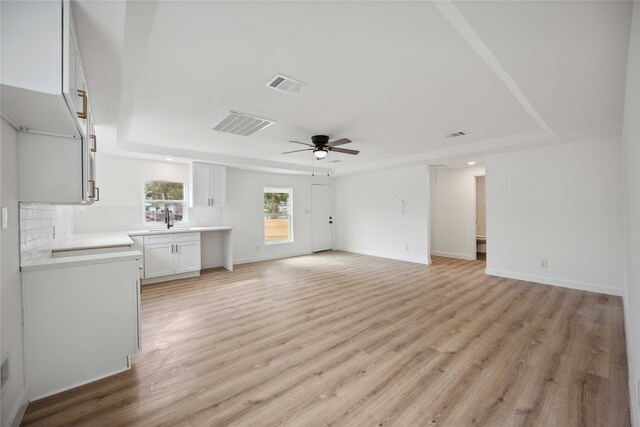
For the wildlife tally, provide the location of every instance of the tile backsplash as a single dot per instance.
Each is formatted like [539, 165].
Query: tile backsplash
[96, 218]
[40, 225]
[36, 231]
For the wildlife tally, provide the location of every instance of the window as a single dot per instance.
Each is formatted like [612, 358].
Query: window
[162, 197]
[278, 219]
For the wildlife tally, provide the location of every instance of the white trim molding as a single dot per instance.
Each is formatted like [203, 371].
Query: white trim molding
[415, 260]
[15, 418]
[589, 287]
[453, 255]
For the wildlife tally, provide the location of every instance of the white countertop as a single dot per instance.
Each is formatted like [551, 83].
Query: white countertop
[154, 231]
[73, 261]
[93, 240]
[83, 241]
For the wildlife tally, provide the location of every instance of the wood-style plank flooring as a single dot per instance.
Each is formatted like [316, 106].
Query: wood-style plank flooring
[350, 340]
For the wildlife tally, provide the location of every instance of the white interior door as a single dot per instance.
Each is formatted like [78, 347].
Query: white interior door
[321, 217]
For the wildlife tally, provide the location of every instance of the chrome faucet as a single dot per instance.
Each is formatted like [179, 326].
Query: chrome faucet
[169, 225]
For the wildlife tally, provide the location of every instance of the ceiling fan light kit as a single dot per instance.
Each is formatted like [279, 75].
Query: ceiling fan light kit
[321, 146]
[320, 153]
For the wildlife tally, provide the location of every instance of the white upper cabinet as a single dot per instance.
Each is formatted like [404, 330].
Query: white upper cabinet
[208, 185]
[43, 81]
[44, 94]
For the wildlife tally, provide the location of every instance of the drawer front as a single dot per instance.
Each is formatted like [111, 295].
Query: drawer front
[160, 238]
[187, 237]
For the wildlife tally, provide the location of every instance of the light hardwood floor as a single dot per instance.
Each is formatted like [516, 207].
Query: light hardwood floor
[342, 339]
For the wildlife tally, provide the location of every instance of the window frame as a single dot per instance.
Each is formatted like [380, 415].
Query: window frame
[185, 203]
[289, 191]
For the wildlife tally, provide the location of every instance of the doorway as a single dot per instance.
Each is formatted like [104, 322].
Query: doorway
[481, 219]
[321, 217]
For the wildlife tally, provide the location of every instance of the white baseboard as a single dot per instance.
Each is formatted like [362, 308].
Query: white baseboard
[555, 282]
[453, 255]
[269, 257]
[424, 261]
[170, 277]
[15, 417]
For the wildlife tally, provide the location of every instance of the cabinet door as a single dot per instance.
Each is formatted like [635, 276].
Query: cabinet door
[187, 257]
[138, 245]
[218, 185]
[82, 103]
[158, 260]
[50, 169]
[69, 58]
[199, 185]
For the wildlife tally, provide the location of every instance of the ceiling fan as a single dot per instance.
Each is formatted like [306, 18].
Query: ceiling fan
[321, 146]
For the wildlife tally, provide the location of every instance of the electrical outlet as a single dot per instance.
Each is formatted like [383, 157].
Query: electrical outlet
[544, 263]
[406, 247]
[257, 248]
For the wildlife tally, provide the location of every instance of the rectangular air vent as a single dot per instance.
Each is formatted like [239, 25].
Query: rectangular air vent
[456, 134]
[242, 124]
[285, 84]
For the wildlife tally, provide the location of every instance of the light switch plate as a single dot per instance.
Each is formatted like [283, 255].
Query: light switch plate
[5, 217]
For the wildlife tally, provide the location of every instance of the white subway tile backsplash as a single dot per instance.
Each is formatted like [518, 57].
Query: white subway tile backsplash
[36, 231]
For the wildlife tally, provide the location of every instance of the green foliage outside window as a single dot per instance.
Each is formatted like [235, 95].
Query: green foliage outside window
[276, 204]
[163, 190]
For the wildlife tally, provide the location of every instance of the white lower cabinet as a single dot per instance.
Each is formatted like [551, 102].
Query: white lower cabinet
[169, 254]
[187, 257]
[80, 322]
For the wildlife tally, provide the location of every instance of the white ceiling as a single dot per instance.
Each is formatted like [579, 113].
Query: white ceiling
[394, 77]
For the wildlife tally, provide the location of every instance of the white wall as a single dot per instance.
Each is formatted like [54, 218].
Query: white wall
[557, 203]
[631, 156]
[120, 180]
[369, 217]
[13, 392]
[245, 211]
[453, 207]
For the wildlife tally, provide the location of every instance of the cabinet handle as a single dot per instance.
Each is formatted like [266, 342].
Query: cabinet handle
[83, 94]
[172, 248]
[97, 199]
[93, 188]
[176, 248]
[94, 146]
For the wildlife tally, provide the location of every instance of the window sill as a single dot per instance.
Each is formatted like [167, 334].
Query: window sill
[278, 243]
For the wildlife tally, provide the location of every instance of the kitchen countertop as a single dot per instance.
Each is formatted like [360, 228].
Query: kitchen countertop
[155, 231]
[92, 241]
[73, 261]
[84, 241]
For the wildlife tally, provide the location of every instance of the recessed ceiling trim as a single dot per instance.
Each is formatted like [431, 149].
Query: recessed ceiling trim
[242, 124]
[455, 18]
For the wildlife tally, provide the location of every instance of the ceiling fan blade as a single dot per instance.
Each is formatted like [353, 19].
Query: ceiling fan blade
[303, 143]
[297, 151]
[343, 150]
[341, 141]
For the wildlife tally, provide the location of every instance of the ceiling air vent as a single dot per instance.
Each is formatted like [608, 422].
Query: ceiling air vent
[456, 134]
[242, 124]
[285, 84]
